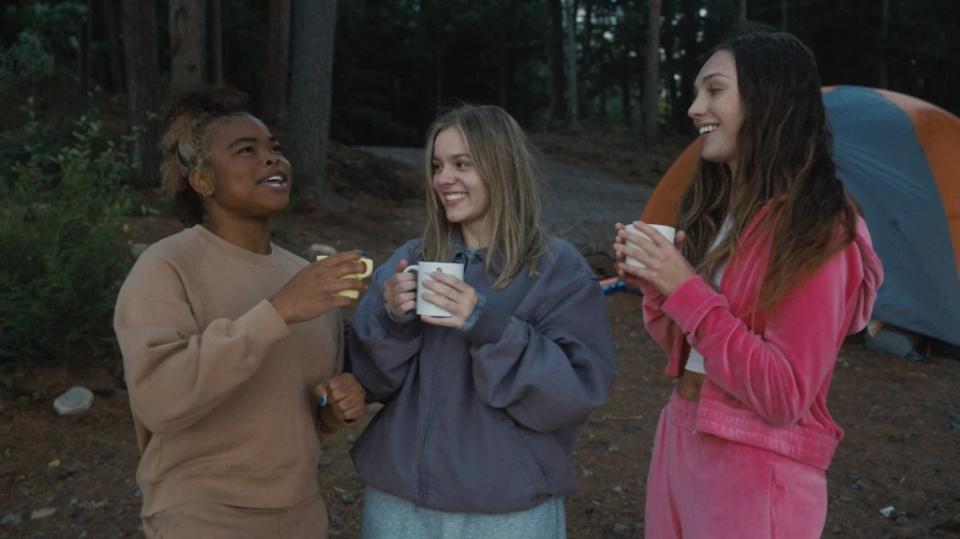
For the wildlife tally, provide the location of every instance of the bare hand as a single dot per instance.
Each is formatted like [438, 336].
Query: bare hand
[451, 294]
[666, 268]
[313, 290]
[400, 291]
[343, 398]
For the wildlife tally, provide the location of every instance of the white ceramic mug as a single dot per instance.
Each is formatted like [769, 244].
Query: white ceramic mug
[423, 270]
[667, 231]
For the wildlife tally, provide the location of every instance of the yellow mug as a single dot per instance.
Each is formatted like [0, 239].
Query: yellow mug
[367, 270]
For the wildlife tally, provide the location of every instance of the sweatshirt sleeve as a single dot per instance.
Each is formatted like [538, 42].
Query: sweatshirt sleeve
[177, 371]
[661, 327]
[382, 348]
[552, 370]
[779, 372]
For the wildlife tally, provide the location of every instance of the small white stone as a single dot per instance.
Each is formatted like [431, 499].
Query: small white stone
[43, 512]
[75, 400]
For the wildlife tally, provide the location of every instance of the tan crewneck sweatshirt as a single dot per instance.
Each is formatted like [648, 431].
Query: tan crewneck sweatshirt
[220, 386]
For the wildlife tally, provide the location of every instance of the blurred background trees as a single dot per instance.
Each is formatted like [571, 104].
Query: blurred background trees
[84, 84]
[552, 63]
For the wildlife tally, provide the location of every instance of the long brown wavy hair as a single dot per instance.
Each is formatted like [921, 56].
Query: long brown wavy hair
[784, 158]
[505, 160]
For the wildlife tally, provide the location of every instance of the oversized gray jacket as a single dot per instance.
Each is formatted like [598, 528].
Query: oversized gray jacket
[483, 420]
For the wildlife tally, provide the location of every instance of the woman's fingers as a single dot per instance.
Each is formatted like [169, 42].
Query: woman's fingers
[443, 302]
[448, 280]
[626, 250]
[442, 289]
[652, 234]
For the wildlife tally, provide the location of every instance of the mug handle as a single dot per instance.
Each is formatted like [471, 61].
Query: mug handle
[414, 268]
[367, 267]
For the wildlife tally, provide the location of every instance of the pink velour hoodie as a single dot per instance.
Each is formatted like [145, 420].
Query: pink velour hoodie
[767, 376]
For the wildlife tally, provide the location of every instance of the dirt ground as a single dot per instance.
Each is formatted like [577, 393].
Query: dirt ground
[902, 421]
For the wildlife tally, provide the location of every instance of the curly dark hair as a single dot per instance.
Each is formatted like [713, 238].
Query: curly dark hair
[183, 144]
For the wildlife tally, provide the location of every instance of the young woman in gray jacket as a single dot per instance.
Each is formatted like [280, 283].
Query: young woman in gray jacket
[481, 408]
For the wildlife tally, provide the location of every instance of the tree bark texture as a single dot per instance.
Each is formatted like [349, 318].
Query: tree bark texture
[314, 22]
[113, 52]
[273, 105]
[188, 45]
[138, 20]
[216, 42]
[651, 79]
[573, 109]
[555, 60]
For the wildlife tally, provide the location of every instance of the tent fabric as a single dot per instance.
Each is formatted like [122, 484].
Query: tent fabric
[900, 158]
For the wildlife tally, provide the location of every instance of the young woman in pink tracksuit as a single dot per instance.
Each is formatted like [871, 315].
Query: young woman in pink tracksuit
[773, 267]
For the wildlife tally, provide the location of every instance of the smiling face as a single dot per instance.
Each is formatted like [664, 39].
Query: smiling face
[717, 109]
[244, 175]
[458, 186]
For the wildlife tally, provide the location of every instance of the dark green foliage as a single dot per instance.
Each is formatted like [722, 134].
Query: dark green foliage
[405, 60]
[63, 252]
[920, 51]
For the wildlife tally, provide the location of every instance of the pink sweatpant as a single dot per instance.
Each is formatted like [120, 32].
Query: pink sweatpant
[702, 486]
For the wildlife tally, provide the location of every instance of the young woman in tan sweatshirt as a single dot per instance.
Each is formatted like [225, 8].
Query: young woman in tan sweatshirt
[228, 340]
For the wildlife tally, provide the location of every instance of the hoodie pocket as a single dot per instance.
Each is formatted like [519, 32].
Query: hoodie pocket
[529, 452]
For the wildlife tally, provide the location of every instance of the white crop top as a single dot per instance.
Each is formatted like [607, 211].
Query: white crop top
[695, 360]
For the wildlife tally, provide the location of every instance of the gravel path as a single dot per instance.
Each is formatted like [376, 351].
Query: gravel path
[580, 205]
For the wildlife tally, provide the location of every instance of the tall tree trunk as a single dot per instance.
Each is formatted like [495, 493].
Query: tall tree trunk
[113, 51]
[555, 60]
[586, 59]
[86, 36]
[314, 22]
[139, 23]
[884, 35]
[503, 44]
[430, 21]
[687, 65]
[651, 77]
[273, 103]
[216, 42]
[742, 12]
[625, 94]
[573, 109]
[188, 45]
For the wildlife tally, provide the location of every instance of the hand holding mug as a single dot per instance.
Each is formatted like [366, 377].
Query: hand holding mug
[646, 254]
[400, 291]
[367, 270]
[453, 296]
[318, 288]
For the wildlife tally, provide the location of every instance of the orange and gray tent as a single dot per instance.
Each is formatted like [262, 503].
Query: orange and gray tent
[900, 157]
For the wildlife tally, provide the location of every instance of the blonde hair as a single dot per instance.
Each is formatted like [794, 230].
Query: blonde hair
[504, 158]
[183, 146]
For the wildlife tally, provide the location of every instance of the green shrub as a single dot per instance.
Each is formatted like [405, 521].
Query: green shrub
[26, 134]
[28, 58]
[63, 254]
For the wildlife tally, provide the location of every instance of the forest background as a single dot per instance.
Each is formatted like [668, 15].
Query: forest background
[84, 85]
